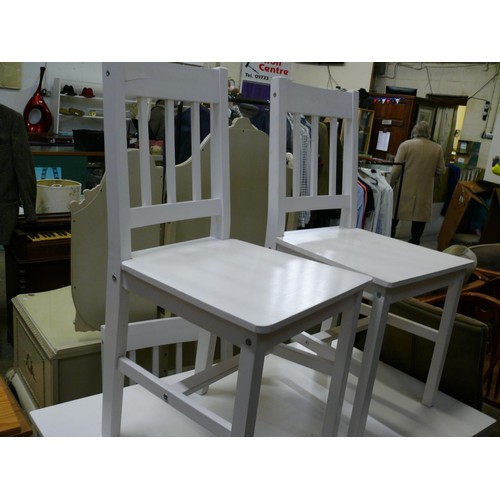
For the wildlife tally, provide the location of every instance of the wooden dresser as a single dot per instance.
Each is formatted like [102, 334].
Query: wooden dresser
[396, 115]
[55, 362]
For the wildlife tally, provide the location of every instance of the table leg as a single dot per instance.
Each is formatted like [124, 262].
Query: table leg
[341, 365]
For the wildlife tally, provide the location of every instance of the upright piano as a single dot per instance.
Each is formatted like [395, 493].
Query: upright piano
[38, 258]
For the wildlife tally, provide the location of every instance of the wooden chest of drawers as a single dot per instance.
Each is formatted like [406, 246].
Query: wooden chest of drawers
[55, 362]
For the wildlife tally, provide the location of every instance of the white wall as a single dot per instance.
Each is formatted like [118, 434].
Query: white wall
[438, 78]
[476, 80]
[350, 76]
[30, 74]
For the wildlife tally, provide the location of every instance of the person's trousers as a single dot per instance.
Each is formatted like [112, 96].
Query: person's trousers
[417, 229]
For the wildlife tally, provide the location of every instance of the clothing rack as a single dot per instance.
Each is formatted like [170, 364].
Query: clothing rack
[375, 163]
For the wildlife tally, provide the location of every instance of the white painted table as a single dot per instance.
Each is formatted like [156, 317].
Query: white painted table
[292, 403]
[399, 271]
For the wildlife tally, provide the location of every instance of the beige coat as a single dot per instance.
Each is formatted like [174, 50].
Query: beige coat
[424, 161]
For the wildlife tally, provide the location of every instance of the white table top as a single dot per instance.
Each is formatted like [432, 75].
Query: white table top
[291, 404]
[391, 262]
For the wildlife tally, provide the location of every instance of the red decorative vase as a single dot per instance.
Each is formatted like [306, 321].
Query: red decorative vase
[37, 114]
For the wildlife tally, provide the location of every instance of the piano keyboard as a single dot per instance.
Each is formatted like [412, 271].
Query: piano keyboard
[48, 236]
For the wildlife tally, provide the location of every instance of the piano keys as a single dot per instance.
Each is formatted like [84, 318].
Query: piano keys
[48, 236]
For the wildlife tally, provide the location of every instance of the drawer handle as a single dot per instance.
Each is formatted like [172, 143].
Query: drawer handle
[29, 365]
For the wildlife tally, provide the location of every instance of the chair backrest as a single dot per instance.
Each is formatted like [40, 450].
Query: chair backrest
[174, 83]
[296, 111]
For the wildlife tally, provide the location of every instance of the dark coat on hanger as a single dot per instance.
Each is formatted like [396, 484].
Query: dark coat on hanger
[17, 173]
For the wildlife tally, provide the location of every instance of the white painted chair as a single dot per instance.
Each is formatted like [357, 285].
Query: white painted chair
[399, 269]
[251, 296]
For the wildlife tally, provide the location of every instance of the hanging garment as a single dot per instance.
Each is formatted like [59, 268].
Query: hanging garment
[369, 204]
[361, 206]
[17, 173]
[182, 129]
[305, 168]
[383, 196]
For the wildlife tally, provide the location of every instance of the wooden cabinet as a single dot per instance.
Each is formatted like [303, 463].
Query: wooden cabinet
[463, 207]
[55, 363]
[395, 115]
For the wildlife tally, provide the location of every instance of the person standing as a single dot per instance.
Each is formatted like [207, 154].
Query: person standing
[424, 162]
[17, 173]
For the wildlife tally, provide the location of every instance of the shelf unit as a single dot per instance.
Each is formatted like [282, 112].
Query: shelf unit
[92, 107]
[64, 124]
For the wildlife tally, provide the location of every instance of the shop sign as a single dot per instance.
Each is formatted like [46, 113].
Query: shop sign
[262, 72]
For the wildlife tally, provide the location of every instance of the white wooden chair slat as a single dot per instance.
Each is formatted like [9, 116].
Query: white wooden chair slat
[180, 87]
[157, 214]
[195, 152]
[313, 188]
[297, 147]
[169, 147]
[332, 157]
[144, 156]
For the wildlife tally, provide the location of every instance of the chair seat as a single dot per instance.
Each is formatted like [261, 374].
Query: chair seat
[390, 262]
[253, 287]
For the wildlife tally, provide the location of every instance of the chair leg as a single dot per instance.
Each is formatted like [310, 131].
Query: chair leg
[341, 365]
[226, 349]
[326, 324]
[442, 341]
[114, 342]
[247, 395]
[205, 352]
